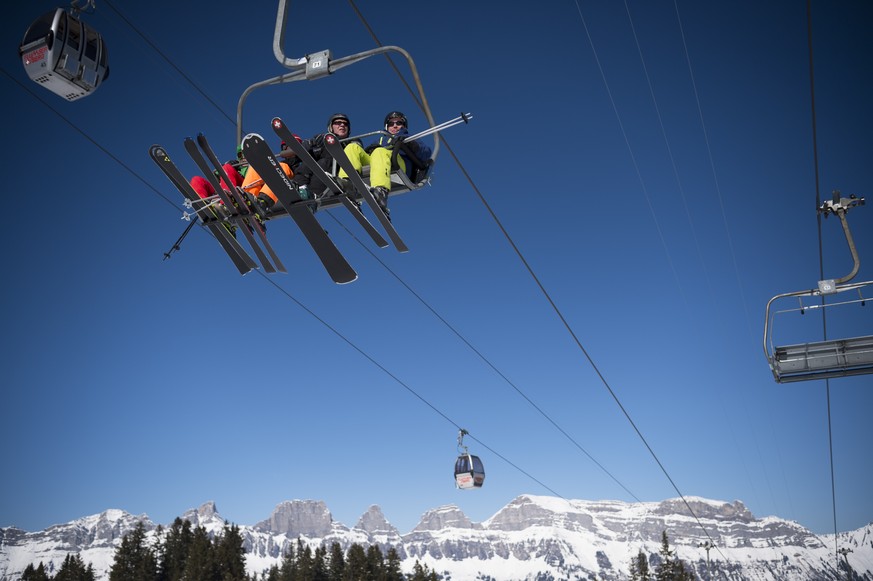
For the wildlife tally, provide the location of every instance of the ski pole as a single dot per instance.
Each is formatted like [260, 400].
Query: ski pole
[463, 118]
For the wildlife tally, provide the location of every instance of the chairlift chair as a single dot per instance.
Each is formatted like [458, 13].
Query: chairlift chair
[310, 67]
[64, 55]
[831, 358]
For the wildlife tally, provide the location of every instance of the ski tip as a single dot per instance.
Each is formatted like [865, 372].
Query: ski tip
[251, 138]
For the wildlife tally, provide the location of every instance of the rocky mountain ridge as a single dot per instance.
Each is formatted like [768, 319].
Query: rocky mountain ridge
[532, 537]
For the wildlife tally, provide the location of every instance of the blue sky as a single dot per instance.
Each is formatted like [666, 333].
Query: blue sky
[660, 206]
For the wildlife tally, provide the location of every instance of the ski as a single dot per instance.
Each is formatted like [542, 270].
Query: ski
[260, 157]
[253, 220]
[333, 146]
[285, 134]
[229, 205]
[234, 250]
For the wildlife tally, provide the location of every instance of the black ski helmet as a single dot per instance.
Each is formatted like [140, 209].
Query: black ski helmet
[394, 115]
[336, 116]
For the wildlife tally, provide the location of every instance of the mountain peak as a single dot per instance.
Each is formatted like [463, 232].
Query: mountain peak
[206, 516]
[447, 516]
[309, 518]
[374, 522]
[706, 508]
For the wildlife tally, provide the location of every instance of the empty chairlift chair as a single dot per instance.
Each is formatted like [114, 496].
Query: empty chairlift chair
[828, 359]
[831, 358]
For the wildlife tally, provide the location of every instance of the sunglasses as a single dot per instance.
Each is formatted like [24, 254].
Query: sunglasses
[397, 123]
[346, 123]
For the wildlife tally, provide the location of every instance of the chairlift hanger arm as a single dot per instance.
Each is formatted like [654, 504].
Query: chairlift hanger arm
[305, 72]
[305, 69]
[840, 206]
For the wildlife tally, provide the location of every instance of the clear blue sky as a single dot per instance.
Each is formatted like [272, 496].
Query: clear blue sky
[153, 386]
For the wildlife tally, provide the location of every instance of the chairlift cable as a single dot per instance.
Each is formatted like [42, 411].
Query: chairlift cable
[323, 322]
[559, 313]
[488, 362]
[295, 300]
[821, 263]
[169, 61]
[724, 218]
[521, 257]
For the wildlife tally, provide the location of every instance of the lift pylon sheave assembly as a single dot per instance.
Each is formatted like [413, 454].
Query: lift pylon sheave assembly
[63, 54]
[469, 472]
[829, 358]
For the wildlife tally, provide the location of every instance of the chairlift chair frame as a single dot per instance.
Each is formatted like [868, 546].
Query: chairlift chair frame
[829, 358]
[321, 64]
[310, 67]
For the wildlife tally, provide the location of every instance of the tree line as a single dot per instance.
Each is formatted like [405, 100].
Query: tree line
[187, 553]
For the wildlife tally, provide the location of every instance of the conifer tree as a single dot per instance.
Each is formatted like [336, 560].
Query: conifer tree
[304, 561]
[392, 571]
[230, 555]
[375, 563]
[423, 573]
[174, 553]
[37, 573]
[670, 568]
[273, 574]
[134, 559]
[73, 569]
[336, 563]
[200, 564]
[288, 571]
[639, 567]
[356, 564]
[319, 565]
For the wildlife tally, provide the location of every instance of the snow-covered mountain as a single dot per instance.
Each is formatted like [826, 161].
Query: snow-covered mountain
[533, 537]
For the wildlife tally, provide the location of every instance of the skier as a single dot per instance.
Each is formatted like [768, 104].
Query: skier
[378, 156]
[339, 125]
[204, 189]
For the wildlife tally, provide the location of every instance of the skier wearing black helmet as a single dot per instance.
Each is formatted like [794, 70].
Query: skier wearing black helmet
[396, 124]
[339, 125]
[378, 156]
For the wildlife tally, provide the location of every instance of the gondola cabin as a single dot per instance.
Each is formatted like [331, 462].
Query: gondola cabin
[469, 472]
[64, 55]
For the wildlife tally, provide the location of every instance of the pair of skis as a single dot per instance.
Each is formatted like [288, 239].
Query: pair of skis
[239, 208]
[334, 148]
[205, 210]
[234, 199]
[261, 158]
